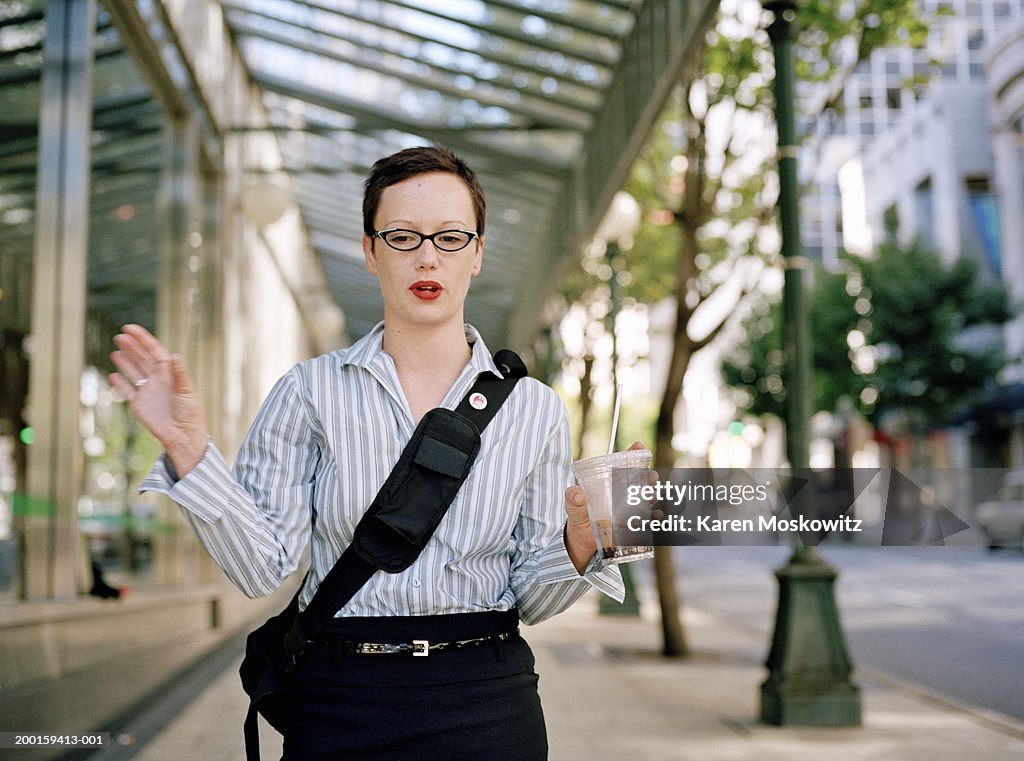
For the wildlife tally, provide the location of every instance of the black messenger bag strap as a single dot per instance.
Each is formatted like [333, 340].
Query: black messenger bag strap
[478, 407]
[391, 534]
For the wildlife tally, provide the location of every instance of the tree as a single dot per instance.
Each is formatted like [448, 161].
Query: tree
[708, 182]
[586, 290]
[898, 334]
[756, 367]
[932, 334]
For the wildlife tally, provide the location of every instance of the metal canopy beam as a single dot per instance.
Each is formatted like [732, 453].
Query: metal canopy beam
[103, 48]
[328, 158]
[375, 119]
[25, 18]
[560, 116]
[365, 60]
[576, 23]
[28, 76]
[508, 155]
[145, 33]
[506, 33]
[600, 74]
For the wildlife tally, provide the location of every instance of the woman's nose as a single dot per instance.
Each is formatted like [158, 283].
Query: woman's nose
[426, 255]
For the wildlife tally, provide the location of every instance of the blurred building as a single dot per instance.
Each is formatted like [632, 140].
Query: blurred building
[1005, 79]
[875, 98]
[932, 175]
[925, 140]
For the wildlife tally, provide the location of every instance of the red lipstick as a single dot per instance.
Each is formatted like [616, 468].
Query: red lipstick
[428, 290]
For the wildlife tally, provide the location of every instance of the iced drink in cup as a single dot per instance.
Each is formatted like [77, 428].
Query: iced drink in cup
[607, 480]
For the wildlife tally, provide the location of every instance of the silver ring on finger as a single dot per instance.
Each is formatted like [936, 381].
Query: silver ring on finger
[141, 382]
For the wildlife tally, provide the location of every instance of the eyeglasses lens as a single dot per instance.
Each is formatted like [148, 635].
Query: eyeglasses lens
[409, 240]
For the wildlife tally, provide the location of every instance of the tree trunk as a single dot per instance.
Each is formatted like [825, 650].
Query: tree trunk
[674, 634]
[586, 402]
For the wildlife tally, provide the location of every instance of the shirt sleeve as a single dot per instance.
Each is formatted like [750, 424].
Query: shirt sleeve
[254, 521]
[543, 578]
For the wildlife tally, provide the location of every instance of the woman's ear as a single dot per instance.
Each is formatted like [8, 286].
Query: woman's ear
[369, 255]
[478, 259]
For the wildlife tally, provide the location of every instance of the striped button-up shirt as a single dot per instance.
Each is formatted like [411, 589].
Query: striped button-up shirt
[326, 439]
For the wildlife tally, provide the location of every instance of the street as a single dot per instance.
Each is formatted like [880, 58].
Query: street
[948, 619]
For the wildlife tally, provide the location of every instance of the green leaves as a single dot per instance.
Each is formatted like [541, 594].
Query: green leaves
[901, 332]
[940, 324]
[836, 34]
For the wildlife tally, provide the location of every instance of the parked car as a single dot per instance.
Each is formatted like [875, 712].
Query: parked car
[1001, 520]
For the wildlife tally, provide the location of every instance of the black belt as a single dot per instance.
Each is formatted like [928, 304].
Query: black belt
[418, 647]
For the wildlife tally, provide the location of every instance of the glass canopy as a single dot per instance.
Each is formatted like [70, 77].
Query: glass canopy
[513, 86]
[549, 100]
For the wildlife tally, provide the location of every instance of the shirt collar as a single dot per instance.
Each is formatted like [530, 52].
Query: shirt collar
[369, 350]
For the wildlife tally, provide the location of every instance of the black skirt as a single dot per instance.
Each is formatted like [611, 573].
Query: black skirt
[474, 704]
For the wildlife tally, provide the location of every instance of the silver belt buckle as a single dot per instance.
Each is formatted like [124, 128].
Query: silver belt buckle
[420, 647]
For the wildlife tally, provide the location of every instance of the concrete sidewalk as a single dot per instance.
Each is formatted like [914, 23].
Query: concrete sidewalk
[608, 696]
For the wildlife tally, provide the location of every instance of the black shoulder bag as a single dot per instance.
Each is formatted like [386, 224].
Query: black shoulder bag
[389, 537]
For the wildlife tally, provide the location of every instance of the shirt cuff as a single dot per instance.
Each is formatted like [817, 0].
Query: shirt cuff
[196, 492]
[554, 566]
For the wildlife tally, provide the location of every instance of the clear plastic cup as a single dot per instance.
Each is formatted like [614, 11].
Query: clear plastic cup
[609, 481]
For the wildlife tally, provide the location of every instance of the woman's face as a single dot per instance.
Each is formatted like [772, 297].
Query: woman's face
[425, 286]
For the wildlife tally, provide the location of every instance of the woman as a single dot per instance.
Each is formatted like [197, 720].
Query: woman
[325, 440]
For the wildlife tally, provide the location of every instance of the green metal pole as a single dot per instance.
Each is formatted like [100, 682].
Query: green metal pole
[809, 665]
[796, 339]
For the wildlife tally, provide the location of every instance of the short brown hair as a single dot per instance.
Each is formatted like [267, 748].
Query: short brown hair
[411, 162]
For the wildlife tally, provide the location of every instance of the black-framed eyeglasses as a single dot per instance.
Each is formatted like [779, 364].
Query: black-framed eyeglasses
[448, 241]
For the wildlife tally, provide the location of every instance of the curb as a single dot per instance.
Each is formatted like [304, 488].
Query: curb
[1001, 722]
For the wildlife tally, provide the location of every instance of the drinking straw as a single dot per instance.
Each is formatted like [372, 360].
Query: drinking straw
[615, 417]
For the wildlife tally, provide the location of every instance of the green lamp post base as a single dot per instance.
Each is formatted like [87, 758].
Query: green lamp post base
[809, 666]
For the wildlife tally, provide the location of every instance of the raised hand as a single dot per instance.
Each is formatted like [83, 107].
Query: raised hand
[161, 394]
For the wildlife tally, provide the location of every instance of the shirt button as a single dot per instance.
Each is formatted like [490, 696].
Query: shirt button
[416, 583]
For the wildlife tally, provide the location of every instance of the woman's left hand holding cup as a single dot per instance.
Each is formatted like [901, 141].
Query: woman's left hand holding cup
[579, 533]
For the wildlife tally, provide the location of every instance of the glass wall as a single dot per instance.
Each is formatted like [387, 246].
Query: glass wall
[118, 524]
[21, 42]
[126, 160]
